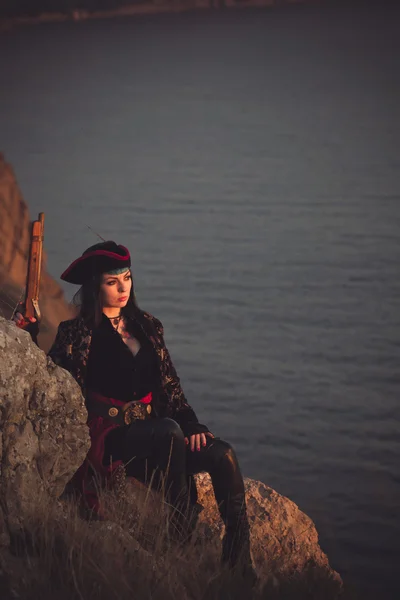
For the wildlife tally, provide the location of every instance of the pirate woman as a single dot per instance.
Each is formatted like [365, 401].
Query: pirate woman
[138, 415]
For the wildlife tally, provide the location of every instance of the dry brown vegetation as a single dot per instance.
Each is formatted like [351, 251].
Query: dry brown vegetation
[128, 557]
[60, 555]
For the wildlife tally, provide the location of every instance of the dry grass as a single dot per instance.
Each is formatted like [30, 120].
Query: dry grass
[60, 555]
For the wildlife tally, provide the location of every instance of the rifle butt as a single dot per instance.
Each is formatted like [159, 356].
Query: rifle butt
[34, 269]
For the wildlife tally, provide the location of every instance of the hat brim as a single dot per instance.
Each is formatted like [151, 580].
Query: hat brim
[96, 263]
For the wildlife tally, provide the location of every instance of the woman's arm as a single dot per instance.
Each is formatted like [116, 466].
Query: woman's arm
[60, 351]
[178, 407]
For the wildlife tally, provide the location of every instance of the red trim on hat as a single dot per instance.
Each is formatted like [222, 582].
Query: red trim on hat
[97, 253]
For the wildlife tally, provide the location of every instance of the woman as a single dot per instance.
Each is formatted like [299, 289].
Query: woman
[138, 415]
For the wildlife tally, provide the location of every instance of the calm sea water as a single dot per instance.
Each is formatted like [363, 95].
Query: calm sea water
[250, 161]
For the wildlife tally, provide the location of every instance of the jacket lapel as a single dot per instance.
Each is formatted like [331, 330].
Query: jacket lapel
[80, 336]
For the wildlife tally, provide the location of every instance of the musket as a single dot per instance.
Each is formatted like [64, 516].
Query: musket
[34, 269]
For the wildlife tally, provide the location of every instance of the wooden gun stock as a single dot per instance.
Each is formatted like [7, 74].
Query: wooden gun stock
[34, 269]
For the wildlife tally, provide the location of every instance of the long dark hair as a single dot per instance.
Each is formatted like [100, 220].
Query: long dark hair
[87, 300]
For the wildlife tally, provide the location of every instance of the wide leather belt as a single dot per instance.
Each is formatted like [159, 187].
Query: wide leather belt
[134, 411]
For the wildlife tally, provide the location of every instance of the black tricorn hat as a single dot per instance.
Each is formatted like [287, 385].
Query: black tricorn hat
[100, 258]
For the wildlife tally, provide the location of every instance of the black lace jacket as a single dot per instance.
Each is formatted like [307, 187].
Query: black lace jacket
[71, 351]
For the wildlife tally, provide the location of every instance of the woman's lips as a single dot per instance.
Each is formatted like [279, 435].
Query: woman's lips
[123, 298]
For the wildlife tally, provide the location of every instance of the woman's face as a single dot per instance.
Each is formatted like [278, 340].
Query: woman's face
[115, 289]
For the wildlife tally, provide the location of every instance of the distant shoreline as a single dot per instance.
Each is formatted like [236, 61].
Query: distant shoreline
[146, 8]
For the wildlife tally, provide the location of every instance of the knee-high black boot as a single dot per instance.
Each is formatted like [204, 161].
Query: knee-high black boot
[229, 492]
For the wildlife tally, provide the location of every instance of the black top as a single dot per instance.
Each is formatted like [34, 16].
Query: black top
[113, 370]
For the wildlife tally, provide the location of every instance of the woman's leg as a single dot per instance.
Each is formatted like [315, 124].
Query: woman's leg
[151, 449]
[219, 459]
[146, 446]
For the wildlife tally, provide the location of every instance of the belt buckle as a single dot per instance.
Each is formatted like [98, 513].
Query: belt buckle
[136, 411]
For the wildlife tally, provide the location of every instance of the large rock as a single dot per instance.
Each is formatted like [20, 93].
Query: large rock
[14, 250]
[284, 540]
[43, 432]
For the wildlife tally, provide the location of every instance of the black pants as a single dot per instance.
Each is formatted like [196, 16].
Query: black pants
[158, 446]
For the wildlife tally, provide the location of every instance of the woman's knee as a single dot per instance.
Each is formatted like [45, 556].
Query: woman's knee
[222, 452]
[171, 429]
[225, 472]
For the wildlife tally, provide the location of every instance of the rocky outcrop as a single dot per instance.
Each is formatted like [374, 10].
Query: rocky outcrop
[44, 439]
[284, 540]
[14, 250]
[43, 432]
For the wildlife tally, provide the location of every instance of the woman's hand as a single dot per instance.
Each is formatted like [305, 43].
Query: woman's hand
[30, 324]
[21, 322]
[198, 440]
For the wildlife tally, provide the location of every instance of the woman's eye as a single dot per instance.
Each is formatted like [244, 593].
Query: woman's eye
[127, 278]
